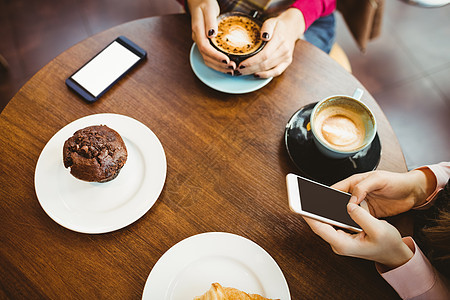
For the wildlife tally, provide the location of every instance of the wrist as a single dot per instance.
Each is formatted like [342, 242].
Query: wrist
[294, 17]
[400, 257]
[425, 183]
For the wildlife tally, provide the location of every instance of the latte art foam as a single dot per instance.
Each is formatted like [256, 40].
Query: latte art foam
[237, 35]
[343, 129]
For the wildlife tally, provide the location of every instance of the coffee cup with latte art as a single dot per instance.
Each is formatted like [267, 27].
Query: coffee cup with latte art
[342, 126]
[238, 36]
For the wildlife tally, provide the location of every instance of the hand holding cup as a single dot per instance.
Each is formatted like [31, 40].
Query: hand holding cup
[281, 34]
[204, 25]
[238, 36]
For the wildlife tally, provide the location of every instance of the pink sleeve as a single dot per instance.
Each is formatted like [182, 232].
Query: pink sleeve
[442, 173]
[314, 9]
[416, 279]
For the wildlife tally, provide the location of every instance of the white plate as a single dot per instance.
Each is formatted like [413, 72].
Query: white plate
[187, 269]
[102, 207]
[224, 82]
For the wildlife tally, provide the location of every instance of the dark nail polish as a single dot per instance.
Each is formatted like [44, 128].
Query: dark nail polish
[265, 35]
[256, 75]
[229, 73]
[211, 32]
[230, 67]
[224, 61]
[237, 73]
[241, 67]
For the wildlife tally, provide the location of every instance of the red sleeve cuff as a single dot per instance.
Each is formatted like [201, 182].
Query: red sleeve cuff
[184, 4]
[441, 172]
[312, 10]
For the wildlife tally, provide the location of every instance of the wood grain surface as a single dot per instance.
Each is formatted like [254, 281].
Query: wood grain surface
[226, 172]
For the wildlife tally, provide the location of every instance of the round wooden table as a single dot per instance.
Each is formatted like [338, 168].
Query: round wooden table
[226, 168]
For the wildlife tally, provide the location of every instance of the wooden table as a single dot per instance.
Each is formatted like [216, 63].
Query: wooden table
[226, 173]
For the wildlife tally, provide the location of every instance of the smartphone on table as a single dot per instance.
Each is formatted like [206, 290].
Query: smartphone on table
[99, 74]
[320, 202]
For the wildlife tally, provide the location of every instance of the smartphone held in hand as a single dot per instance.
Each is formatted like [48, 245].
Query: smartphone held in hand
[99, 74]
[320, 202]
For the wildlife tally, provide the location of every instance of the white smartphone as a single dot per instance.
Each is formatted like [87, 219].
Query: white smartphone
[320, 202]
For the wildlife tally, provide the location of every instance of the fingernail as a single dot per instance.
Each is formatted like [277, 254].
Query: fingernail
[211, 32]
[237, 73]
[353, 199]
[230, 67]
[229, 73]
[224, 61]
[265, 35]
[241, 67]
[256, 75]
[351, 207]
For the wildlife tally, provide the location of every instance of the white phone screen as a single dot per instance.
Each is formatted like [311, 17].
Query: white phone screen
[105, 68]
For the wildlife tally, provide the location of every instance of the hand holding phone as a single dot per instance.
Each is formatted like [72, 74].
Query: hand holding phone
[320, 202]
[380, 242]
[99, 74]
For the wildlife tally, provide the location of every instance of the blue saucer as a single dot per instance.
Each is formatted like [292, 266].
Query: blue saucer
[224, 82]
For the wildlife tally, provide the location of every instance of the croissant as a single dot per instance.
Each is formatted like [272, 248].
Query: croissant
[218, 292]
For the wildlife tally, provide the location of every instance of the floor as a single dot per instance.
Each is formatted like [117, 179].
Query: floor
[406, 69]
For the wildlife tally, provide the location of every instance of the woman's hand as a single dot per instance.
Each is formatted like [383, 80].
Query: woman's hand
[387, 193]
[281, 34]
[204, 25]
[379, 241]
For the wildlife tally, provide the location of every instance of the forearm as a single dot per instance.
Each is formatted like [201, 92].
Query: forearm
[295, 22]
[424, 184]
[436, 177]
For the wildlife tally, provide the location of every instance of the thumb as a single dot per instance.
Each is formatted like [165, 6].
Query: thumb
[348, 185]
[370, 183]
[210, 22]
[267, 29]
[363, 218]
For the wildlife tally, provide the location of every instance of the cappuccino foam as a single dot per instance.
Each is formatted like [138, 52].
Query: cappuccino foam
[237, 35]
[341, 128]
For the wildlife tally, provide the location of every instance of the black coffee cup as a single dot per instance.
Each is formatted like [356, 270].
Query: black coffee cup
[238, 36]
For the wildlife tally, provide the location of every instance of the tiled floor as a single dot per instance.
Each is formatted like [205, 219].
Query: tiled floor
[407, 69]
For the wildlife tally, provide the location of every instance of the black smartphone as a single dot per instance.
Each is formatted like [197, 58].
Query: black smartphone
[99, 74]
[320, 202]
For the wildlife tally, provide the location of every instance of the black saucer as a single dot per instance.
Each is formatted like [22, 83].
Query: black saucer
[313, 164]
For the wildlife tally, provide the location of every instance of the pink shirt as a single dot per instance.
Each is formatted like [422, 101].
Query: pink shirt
[312, 10]
[417, 279]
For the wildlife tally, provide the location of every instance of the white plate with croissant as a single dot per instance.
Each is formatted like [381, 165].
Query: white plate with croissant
[216, 265]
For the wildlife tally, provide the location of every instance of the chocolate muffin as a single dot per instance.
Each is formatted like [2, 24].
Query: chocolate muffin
[95, 154]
